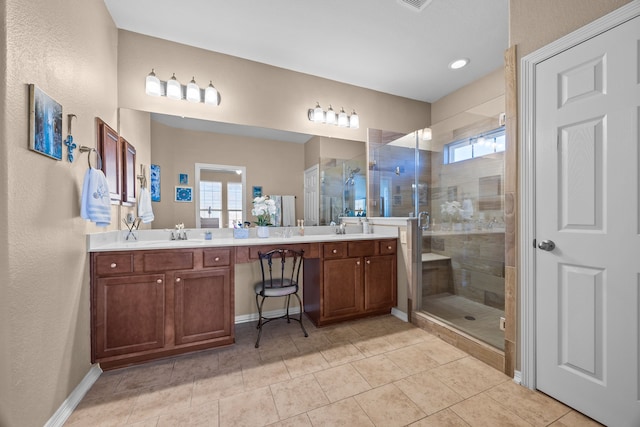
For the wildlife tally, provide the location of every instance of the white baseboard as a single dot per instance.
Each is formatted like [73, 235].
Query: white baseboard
[64, 411]
[399, 314]
[517, 377]
[244, 318]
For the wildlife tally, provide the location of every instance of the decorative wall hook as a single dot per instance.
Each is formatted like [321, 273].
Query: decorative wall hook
[69, 141]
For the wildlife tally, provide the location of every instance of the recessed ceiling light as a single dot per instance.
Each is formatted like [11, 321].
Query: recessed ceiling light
[459, 63]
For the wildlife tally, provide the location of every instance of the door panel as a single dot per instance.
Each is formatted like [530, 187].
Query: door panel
[587, 109]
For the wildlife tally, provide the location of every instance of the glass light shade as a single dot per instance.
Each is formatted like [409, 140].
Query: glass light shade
[152, 85]
[193, 91]
[330, 116]
[426, 134]
[354, 120]
[211, 95]
[343, 120]
[174, 90]
[318, 114]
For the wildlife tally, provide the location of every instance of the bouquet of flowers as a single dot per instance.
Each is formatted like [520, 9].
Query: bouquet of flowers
[263, 209]
[451, 211]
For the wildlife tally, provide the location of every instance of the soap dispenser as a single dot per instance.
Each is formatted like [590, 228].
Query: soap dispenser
[365, 226]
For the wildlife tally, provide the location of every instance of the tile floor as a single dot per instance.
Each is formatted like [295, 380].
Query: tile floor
[454, 310]
[372, 372]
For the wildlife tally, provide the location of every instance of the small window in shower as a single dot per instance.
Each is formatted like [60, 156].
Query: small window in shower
[477, 146]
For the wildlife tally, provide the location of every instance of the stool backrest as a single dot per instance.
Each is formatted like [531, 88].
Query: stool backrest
[280, 267]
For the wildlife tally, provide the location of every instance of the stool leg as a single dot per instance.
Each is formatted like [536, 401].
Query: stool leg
[259, 320]
[288, 300]
[300, 320]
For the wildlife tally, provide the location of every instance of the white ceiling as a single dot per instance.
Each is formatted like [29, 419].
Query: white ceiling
[377, 44]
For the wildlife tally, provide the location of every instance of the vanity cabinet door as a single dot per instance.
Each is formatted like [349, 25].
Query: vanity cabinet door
[203, 306]
[341, 288]
[129, 314]
[380, 289]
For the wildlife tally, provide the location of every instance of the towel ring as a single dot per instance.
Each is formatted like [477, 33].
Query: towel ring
[85, 149]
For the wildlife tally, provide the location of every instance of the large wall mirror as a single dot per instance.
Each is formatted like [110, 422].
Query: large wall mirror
[271, 162]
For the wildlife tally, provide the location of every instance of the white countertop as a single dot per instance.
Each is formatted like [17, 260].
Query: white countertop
[159, 239]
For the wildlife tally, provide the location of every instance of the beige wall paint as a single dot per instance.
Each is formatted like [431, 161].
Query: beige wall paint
[69, 49]
[255, 94]
[278, 167]
[533, 25]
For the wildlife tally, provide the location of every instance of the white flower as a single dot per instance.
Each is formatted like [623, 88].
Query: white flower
[263, 209]
[451, 210]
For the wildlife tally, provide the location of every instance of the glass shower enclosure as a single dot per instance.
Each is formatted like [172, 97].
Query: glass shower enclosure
[459, 197]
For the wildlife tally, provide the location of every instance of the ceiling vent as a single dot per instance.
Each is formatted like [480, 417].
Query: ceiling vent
[415, 5]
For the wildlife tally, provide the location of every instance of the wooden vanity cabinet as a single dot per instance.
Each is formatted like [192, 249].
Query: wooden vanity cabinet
[157, 303]
[358, 278]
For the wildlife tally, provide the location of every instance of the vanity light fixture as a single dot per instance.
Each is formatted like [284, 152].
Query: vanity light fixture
[174, 90]
[152, 85]
[330, 116]
[354, 120]
[211, 95]
[459, 63]
[341, 119]
[193, 91]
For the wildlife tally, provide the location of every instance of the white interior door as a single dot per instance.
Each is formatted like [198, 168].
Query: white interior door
[312, 196]
[587, 109]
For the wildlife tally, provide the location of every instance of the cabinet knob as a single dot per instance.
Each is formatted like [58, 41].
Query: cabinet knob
[335, 251]
[389, 247]
[358, 262]
[178, 280]
[114, 265]
[159, 281]
[368, 261]
[217, 258]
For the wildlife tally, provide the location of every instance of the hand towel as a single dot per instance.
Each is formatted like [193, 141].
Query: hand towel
[288, 211]
[96, 204]
[145, 211]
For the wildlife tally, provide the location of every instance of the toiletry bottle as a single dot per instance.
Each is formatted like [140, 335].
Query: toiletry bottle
[365, 226]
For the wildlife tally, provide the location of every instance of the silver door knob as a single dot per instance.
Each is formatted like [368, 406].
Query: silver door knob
[547, 245]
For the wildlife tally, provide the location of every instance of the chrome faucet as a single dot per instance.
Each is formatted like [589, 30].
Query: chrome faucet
[423, 226]
[179, 233]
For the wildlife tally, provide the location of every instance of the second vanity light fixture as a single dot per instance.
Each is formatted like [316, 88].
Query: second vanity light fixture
[174, 90]
[330, 117]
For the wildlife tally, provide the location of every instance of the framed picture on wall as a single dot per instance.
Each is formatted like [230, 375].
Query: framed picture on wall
[184, 179]
[257, 191]
[45, 124]
[184, 194]
[155, 183]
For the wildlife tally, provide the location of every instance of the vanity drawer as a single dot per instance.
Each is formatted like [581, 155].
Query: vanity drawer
[387, 247]
[216, 257]
[108, 264]
[334, 250]
[362, 248]
[167, 260]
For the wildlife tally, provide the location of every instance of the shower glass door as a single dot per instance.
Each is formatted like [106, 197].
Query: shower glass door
[461, 245]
